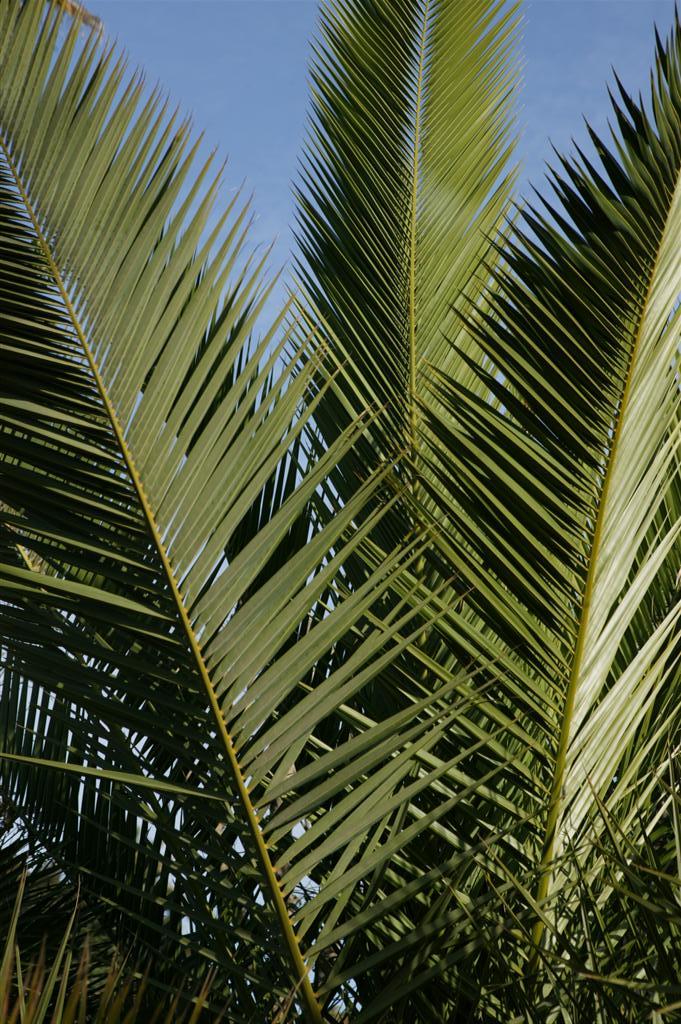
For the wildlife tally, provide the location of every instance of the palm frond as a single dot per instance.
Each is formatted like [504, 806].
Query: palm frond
[566, 492]
[404, 180]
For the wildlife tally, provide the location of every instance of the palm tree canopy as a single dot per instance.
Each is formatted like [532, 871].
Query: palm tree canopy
[343, 658]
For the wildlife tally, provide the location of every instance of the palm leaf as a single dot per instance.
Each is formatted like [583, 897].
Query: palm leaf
[566, 493]
[403, 180]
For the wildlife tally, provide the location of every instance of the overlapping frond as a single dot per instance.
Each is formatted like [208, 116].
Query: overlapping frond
[567, 492]
[404, 181]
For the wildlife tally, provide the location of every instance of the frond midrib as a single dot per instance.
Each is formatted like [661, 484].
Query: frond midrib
[413, 232]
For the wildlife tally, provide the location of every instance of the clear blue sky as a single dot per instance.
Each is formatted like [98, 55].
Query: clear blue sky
[240, 68]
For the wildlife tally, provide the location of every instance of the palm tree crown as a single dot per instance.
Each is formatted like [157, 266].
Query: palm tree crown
[340, 657]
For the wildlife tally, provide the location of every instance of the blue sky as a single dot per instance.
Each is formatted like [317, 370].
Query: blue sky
[240, 68]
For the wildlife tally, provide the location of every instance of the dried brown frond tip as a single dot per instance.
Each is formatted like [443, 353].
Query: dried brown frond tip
[77, 10]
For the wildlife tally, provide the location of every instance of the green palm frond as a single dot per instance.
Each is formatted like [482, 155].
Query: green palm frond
[404, 180]
[567, 493]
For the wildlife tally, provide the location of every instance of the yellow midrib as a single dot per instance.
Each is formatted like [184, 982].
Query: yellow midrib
[300, 972]
[413, 420]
